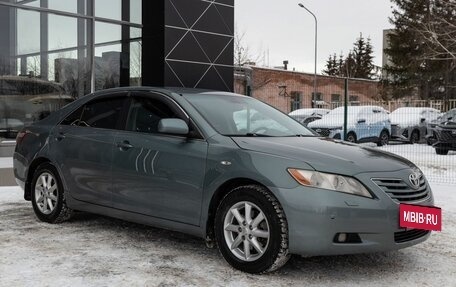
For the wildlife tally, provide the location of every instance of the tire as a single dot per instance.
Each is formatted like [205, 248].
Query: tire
[351, 137]
[415, 137]
[441, 151]
[264, 234]
[383, 139]
[49, 203]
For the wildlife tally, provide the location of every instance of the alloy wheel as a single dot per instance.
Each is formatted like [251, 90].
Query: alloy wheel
[246, 231]
[46, 193]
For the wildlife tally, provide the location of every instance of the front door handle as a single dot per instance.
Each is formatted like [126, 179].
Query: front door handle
[124, 146]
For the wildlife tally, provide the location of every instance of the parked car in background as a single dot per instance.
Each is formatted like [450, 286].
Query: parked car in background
[10, 127]
[445, 136]
[306, 116]
[410, 124]
[431, 136]
[365, 124]
[178, 160]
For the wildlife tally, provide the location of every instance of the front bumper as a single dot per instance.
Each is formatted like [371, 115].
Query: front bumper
[316, 216]
[399, 133]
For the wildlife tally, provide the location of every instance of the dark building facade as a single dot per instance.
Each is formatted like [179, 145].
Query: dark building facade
[54, 51]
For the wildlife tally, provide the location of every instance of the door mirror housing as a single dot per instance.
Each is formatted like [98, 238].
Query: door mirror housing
[423, 120]
[173, 127]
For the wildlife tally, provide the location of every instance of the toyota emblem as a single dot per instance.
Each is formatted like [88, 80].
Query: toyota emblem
[414, 179]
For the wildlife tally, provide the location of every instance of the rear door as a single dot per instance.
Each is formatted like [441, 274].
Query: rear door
[83, 146]
[155, 174]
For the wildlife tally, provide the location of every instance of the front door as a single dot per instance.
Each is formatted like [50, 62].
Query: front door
[156, 174]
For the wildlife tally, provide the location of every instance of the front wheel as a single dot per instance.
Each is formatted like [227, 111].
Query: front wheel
[48, 198]
[415, 137]
[251, 230]
[351, 137]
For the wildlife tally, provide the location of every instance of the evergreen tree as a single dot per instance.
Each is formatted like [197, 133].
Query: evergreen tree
[357, 64]
[331, 66]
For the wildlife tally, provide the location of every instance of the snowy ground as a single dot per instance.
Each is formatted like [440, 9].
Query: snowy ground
[6, 162]
[437, 168]
[92, 250]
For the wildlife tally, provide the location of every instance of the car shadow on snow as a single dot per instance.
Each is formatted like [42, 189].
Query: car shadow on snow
[330, 267]
[170, 247]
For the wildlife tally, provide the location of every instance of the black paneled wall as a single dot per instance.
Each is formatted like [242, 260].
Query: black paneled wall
[188, 43]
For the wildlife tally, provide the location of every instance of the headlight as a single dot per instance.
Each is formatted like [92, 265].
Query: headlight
[329, 181]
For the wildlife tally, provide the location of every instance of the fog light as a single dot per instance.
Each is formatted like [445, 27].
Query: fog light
[342, 237]
[347, 238]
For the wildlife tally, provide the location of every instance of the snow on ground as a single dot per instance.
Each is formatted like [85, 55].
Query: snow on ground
[6, 162]
[92, 250]
[437, 168]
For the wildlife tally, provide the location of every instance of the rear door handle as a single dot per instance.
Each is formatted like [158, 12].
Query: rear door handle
[124, 146]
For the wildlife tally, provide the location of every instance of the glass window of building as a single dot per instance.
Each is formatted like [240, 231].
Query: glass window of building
[58, 50]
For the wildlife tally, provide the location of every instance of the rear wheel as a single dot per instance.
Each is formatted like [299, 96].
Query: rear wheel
[441, 151]
[415, 137]
[251, 230]
[351, 137]
[383, 138]
[48, 198]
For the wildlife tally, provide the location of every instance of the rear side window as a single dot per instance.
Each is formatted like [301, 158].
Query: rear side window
[146, 113]
[102, 114]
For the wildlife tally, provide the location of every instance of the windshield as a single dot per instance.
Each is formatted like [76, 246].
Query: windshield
[242, 116]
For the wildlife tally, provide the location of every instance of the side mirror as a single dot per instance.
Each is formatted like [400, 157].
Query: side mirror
[361, 121]
[173, 127]
[423, 120]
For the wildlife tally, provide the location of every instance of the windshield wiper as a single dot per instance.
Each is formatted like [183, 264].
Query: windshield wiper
[250, 135]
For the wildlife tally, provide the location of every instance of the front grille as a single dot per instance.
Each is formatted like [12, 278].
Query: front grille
[322, 132]
[400, 191]
[447, 136]
[409, 235]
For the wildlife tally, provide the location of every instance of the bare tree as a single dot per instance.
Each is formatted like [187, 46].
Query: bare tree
[439, 32]
[242, 52]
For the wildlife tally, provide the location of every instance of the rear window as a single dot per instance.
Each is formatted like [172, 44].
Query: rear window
[102, 114]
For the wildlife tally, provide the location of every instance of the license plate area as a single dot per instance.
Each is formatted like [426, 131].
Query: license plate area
[420, 217]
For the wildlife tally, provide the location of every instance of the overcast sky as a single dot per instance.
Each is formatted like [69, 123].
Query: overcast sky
[287, 30]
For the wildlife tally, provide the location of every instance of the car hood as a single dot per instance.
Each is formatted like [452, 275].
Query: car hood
[327, 155]
[405, 120]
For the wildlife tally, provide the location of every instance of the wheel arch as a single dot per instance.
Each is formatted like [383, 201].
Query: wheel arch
[217, 197]
[31, 171]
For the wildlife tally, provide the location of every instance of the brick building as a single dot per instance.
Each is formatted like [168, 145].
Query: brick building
[290, 90]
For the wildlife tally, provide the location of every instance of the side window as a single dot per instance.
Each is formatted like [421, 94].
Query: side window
[102, 114]
[146, 113]
[74, 118]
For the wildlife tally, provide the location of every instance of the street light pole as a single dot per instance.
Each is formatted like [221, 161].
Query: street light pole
[316, 53]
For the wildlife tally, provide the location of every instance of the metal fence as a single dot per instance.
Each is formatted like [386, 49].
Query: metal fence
[290, 91]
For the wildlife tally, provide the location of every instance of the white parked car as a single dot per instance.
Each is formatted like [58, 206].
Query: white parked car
[306, 116]
[365, 124]
[411, 124]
